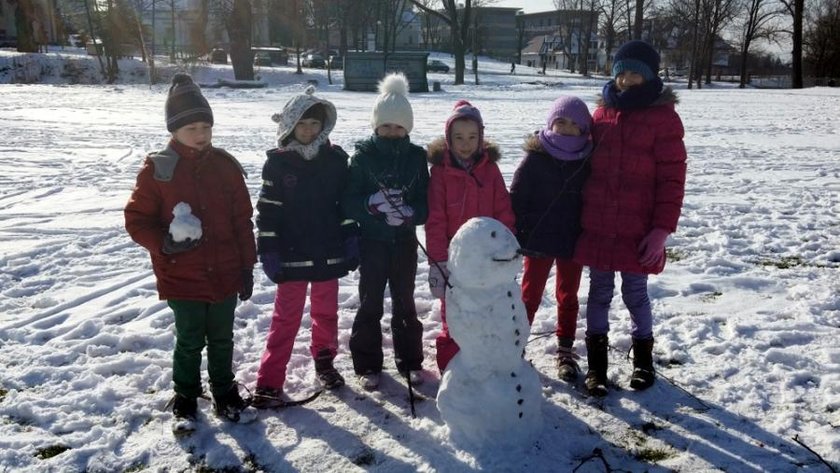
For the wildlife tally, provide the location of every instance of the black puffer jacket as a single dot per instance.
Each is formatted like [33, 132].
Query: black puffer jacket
[547, 199]
[299, 213]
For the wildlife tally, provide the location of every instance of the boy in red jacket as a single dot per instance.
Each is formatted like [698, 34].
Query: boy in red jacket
[631, 203]
[465, 182]
[199, 277]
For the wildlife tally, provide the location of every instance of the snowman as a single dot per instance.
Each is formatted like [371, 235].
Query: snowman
[184, 225]
[489, 395]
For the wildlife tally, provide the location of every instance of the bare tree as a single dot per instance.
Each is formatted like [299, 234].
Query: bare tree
[458, 20]
[821, 39]
[612, 17]
[759, 16]
[795, 9]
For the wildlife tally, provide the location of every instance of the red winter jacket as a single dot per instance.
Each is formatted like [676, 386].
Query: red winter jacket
[456, 196]
[637, 184]
[212, 183]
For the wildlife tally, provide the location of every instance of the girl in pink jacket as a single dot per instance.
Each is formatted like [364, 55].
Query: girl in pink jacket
[631, 203]
[465, 183]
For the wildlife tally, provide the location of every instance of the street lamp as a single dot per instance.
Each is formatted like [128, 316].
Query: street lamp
[376, 35]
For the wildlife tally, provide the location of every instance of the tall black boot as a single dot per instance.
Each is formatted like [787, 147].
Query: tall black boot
[643, 373]
[596, 355]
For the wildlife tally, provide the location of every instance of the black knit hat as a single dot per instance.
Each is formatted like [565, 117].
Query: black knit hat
[636, 56]
[316, 111]
[185, 104]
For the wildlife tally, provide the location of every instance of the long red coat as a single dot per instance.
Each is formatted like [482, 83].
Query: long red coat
[456, 196]
[212, 183]
[637, 184]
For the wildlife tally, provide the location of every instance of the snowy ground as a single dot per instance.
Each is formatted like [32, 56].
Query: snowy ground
[747, 312]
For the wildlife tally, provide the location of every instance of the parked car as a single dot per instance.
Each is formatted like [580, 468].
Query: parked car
[262, 59]
[313, 60]
[436, 66]
[218, 56]
[277, 56]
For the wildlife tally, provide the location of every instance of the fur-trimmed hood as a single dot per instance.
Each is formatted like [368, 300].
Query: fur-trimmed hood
[666, 97]
[532, 144]
[436, 150]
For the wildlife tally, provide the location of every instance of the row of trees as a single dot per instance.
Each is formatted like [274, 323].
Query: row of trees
[689, 29]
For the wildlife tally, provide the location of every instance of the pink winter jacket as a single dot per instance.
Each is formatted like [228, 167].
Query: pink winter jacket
[456, 196]
[637, 184]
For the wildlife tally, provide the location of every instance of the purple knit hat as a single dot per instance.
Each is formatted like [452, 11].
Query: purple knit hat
[572, 108]
[562, 147]
[464, 110]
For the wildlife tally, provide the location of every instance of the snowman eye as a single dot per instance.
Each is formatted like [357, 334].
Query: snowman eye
[493, 234]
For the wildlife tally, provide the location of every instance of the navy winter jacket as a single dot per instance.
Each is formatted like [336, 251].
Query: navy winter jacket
[547, 198]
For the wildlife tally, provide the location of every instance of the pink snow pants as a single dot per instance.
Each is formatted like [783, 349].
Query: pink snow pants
[289, 302]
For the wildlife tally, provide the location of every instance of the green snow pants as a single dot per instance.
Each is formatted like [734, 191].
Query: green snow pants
[198, 324]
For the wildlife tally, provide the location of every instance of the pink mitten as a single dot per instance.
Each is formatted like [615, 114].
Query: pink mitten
[652, 248]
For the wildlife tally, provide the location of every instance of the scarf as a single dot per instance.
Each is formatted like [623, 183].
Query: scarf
[307, 151]
[634, 98]
[565, 148]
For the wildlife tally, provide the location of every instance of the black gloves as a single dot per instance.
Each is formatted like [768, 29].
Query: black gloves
[170, 246]
[247, 284]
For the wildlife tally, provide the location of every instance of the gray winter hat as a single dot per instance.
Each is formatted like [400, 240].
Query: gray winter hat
[295, 108]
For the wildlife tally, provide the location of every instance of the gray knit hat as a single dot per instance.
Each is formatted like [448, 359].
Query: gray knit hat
[295, 109]
[185, 104]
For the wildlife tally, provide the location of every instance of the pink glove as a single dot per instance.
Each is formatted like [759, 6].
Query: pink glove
[652, 248]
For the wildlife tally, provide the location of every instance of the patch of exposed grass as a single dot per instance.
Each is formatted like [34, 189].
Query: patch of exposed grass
[675, 254]
[710, 296]
[783, 262]
[3, 393]
[51, 451]
[652, 455]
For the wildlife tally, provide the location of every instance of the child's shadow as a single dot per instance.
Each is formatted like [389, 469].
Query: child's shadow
[689, 425]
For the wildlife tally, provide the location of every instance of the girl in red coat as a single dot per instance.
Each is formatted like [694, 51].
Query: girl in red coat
[631, 203]
[199, 277]
[465, 182]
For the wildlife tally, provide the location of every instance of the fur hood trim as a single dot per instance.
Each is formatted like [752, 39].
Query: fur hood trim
[436, 150]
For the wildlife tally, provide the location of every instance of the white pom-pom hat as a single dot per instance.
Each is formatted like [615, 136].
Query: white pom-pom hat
[392, 105]
[294, 110]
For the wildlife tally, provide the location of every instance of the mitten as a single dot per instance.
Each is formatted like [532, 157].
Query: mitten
[272, 266]
[394, 219]
[652, 248]
[384, 201]
[406, 212]
[247, 284]
[171, 247]
[438, 274]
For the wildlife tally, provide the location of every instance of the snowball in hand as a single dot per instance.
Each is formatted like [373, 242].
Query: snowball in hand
[185, 225]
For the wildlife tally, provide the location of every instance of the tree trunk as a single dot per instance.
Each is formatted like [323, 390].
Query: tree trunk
[796, 56]
[238, 26]
[24, 18]
[639, 20]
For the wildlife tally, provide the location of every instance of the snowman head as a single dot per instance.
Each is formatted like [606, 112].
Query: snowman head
[484, 253]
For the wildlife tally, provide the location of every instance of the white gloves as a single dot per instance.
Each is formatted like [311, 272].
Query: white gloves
[437, 279]
[384, 201]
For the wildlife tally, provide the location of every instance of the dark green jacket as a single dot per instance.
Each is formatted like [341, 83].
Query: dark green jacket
[386, 163]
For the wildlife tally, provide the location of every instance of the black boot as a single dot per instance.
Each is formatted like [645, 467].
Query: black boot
[596, 355]
[327, 374]
[643, 373]
[567, 366]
